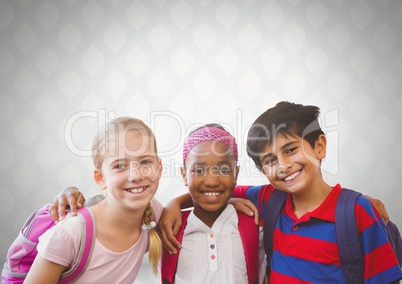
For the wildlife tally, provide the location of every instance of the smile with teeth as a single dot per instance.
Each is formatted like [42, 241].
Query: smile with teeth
[292, 176]
[137, 190]
[211, 194]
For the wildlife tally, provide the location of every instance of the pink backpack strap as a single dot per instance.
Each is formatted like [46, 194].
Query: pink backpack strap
[249, 236]
[85, 251]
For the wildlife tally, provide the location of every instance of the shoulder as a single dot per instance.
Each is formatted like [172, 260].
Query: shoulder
[70, 227]
[157, 208]
[246, 220]
[60, 243]
[265, 192]
[366, 214]
[363, 205]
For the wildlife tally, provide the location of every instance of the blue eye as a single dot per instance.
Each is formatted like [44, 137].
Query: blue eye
[119, 166]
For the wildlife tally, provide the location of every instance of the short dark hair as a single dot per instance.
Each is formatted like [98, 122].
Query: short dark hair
[288, 119]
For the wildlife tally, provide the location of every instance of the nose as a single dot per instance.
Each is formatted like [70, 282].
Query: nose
[283, 165]
[211, 178]
[134, 174]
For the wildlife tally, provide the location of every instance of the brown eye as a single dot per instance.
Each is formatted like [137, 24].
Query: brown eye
[270, 161]
[198, 170]
[224, 170]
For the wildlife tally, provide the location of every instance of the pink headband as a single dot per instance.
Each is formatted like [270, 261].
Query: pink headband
[209, 134]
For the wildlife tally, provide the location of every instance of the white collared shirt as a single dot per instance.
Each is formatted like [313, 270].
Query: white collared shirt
[213, 255]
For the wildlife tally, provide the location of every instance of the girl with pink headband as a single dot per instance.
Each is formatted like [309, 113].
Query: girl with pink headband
[210, 132]
[218, 245]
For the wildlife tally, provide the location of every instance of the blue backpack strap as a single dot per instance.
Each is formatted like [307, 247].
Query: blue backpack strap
[274, 207]
[169, 261]
[87, 243]
[350, 251]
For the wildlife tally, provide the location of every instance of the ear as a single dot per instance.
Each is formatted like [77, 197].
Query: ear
[99, 178]
[321, 147]
[184, 175]
[160, 168]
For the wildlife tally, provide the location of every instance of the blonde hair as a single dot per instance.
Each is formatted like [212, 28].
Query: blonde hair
[101, 144]
[101, 148]
[155, 243]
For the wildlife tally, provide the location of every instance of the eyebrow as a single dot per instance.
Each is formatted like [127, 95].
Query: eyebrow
[146, 156]
[119, 160]
[199, 163]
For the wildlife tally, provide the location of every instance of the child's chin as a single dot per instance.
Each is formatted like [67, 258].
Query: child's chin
[213, 207]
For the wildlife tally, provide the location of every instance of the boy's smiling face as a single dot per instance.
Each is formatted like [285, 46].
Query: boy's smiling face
[291, 164]
[210, 175]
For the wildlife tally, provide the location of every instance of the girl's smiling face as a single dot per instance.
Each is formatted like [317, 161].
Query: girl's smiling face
[130, 170]
[210, 173]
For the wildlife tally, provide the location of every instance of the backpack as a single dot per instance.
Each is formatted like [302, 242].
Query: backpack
[350, 252]
[248, 233]
[22, 252]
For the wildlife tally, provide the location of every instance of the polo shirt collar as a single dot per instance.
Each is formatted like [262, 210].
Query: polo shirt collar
[326, 211]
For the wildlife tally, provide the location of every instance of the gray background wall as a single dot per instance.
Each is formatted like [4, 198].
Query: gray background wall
[68, 66]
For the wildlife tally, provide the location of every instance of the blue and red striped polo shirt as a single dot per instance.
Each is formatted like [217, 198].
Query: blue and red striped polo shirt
[306, 249]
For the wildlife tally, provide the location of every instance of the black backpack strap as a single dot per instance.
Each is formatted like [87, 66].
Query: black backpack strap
[350, 251]
[274, 207]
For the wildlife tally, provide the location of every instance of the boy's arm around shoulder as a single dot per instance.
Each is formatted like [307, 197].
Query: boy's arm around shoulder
[247, 199]
[257, 194]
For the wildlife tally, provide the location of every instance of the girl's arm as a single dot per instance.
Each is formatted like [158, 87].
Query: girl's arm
[44, 272]
[68, 197]
[170, 222]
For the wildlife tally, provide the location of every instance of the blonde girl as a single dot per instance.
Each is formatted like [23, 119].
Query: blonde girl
[128, 169]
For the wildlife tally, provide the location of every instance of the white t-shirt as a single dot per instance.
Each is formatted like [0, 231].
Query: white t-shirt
[215, 255]
[60, 244]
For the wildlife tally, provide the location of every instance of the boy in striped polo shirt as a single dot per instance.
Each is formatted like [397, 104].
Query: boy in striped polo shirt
[287, 145]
